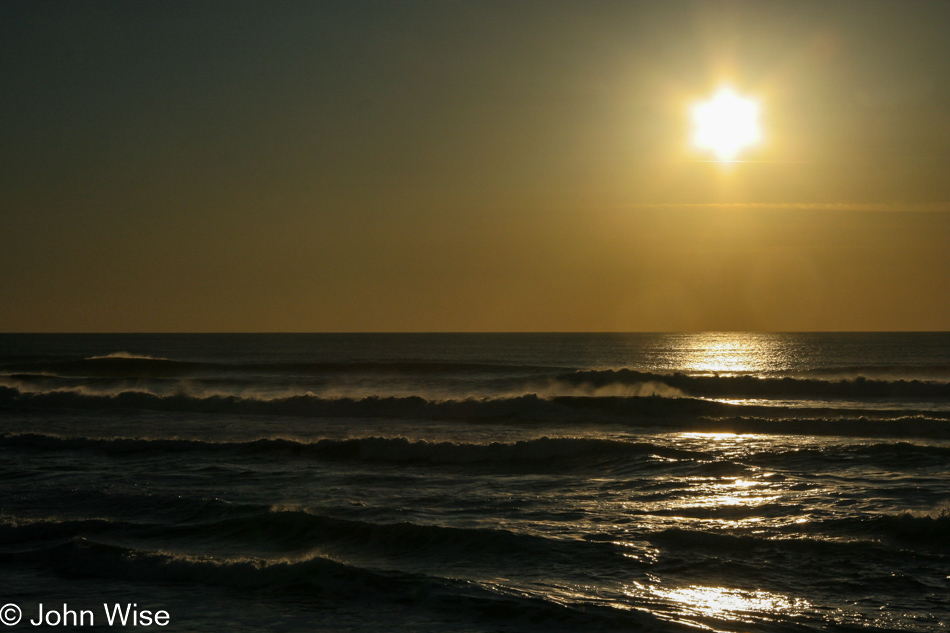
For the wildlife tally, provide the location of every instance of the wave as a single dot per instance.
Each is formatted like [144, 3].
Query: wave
[316, 578]
[525, 407]
[907, 527]
[670, 414]
[125, 365]
[245, 386]
[855, 536]
[870, 561]
[934, 371]
[397, 449]
[290, 529]
[543, 453]
[87, 557]
[906, 425]
[127, 355]
[757, 387]
[18, 530]
[895, 455]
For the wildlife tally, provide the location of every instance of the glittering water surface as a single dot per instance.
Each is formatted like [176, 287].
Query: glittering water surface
[735, 482]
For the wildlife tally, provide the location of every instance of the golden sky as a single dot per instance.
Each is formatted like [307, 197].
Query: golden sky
[471, 166]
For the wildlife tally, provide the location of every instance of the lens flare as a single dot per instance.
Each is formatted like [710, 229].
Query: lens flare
[726, 124]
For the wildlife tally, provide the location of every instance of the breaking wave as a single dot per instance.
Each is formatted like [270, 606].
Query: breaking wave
[756, 387]
[524, 407]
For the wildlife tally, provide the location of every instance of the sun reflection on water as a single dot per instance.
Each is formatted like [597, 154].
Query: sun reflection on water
[732, 353]
[726, 491]
[730, 493]
[722, 601]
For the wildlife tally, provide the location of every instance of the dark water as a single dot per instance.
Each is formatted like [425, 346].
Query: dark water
[517, 482]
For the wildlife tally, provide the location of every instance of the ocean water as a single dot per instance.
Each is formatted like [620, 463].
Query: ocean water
[476, 482]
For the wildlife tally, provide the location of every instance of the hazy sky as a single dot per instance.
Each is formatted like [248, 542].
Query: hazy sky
[471, 166]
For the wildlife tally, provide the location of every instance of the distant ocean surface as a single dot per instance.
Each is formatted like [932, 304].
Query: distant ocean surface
[478, 482]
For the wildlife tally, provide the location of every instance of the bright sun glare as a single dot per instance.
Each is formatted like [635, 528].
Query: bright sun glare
[725, 124]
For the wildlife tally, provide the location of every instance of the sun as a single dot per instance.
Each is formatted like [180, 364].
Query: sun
[726, 124]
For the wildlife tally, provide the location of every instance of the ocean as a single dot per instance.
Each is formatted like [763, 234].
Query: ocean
[475, 482]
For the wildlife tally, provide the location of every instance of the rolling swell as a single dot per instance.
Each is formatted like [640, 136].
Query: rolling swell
[671, 414]
[896, 455]
[871, 557]
[866, 564]
[906, 527]
[132, 366]
[398, 449]
[922, 425]
[287, 530]
[526, 407]
[314, 579]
